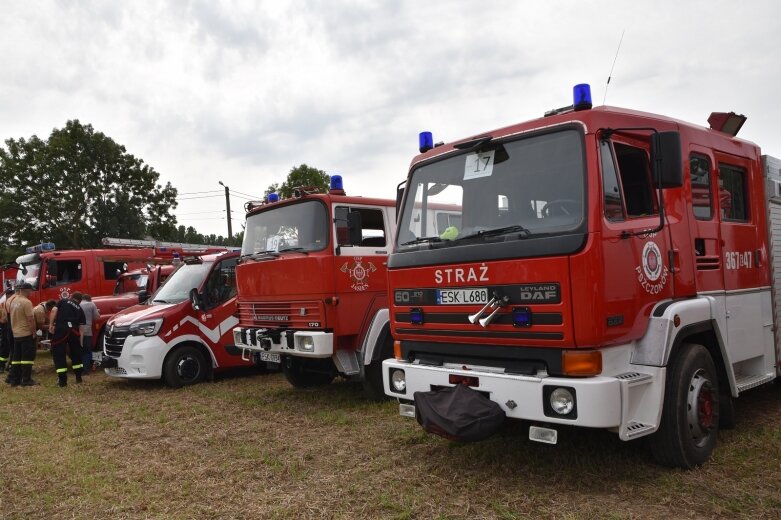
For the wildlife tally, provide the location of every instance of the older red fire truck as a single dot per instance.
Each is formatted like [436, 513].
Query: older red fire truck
[609, 269]
[313, 288]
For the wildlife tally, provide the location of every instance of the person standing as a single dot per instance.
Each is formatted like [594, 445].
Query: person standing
[91, 314]
[5, 348]
[8, 335]
[64, 328]
[23, 328]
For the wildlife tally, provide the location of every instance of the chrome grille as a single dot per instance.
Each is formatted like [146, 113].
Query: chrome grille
[115, 340]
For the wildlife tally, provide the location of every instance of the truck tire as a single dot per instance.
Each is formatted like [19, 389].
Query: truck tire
[184, 366]
[372, 380]
[690, 416]
[306, 373]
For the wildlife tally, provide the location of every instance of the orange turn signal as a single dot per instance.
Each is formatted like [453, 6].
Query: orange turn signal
[397, 349]
[581, 363]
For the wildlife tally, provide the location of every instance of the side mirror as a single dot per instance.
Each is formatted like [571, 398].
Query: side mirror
[400, 195]
[195, 299]
[143, 296]
[666, 158]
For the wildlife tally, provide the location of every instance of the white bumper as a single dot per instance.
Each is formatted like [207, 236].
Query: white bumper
[311, 344]
[141, 358]
[629, 402]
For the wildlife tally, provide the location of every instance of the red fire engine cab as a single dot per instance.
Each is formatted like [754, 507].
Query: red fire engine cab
[608, 269]
[313, 288]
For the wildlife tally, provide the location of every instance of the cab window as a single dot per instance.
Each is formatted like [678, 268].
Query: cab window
[635, 174]
[733, 201]
[699, 166]
[68, 271]
[372, 226]
[221, 285]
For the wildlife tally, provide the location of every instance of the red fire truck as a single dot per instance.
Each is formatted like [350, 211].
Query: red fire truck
[183, 332]
[57, 274]
[611, 269]
[312, 286]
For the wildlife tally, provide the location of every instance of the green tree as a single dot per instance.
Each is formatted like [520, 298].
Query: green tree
[77, 187]
[303, 175]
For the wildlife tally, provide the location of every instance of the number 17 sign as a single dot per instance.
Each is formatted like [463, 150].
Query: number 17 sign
[479, 165]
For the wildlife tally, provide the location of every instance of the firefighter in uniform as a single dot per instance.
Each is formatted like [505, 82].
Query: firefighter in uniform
[4, 347]
[23, 328]
[64, 331]
[7, 350]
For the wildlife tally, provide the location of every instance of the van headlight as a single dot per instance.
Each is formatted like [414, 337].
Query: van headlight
[306, 343]
[146, 328]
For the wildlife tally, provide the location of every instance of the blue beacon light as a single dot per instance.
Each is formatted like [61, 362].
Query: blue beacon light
[273, 197]
[416, 316]
[336, 182]
[581, 96]
[425, 142]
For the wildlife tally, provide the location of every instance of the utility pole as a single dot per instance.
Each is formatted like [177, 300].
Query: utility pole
[228, 208]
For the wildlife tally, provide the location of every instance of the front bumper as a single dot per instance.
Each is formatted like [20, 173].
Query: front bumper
[629, 402]
[311, 344]
[141, 358]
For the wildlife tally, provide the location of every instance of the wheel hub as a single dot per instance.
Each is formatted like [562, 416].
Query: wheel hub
[187, 368]
[701, 414]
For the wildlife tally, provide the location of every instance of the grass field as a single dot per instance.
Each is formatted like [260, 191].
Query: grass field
[250, 446]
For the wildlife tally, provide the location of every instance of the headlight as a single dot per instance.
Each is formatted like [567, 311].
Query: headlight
[146, 328]
[399, 381]
[561, 401]
[306, 343]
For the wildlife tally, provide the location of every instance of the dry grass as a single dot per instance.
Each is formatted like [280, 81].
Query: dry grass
[253, 447]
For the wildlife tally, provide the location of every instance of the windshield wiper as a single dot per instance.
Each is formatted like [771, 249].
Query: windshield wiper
[422, 240]
[287, 249]
[261, 254]
[160, 301]
[516, 228]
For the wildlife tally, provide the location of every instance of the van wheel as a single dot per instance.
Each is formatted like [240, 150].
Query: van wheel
[184, 366]
[306, 373]
[690, 417]
[372, 380]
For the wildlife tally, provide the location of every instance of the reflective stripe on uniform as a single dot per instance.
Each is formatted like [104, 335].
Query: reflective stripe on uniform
[3, 359]
[16, 362]
[74, 367]
[27, 362]
[61, 370]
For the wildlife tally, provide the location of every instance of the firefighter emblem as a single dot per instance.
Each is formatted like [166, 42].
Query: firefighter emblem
[652, 274]
[65, 294]
[358, 273]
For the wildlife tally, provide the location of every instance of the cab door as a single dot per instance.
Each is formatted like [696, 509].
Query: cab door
[217, 318]
[635, 265]
[363, 240]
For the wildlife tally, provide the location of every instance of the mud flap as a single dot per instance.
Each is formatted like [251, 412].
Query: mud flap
[458, 413]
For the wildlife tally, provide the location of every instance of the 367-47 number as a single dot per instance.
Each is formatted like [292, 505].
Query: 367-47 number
[738, 259]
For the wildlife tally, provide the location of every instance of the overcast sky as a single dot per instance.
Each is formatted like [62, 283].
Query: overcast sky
[242, 91]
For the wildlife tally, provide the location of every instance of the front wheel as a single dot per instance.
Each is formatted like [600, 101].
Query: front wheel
[690, 417]
[184, 366]
[305, 373]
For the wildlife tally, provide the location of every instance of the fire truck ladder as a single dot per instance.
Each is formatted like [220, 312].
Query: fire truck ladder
[131, 242]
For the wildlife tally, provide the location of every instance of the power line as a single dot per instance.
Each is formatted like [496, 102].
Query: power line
[253, 197]
[199, 192]
[200, 197]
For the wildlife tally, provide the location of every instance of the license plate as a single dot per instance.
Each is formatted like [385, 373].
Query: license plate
[462, 296]
[271, 357]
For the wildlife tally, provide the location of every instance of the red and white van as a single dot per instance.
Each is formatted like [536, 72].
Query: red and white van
[183, 333]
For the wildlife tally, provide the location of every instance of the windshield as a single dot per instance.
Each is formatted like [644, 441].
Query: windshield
[131, 283]
[507, 191]
[178, 286]
[296, 227]
[31, 276]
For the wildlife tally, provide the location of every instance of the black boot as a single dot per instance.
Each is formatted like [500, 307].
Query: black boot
[14, 377]
[2, 367]
[62, 379]
[78, 375]
[27, 376]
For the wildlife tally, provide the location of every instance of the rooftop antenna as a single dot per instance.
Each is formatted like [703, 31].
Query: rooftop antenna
[613, 66]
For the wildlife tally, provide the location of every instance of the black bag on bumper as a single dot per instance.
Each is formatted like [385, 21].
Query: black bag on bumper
[458, 413]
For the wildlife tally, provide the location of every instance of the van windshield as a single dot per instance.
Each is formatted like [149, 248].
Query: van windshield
[178, 286]
[31, 276]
